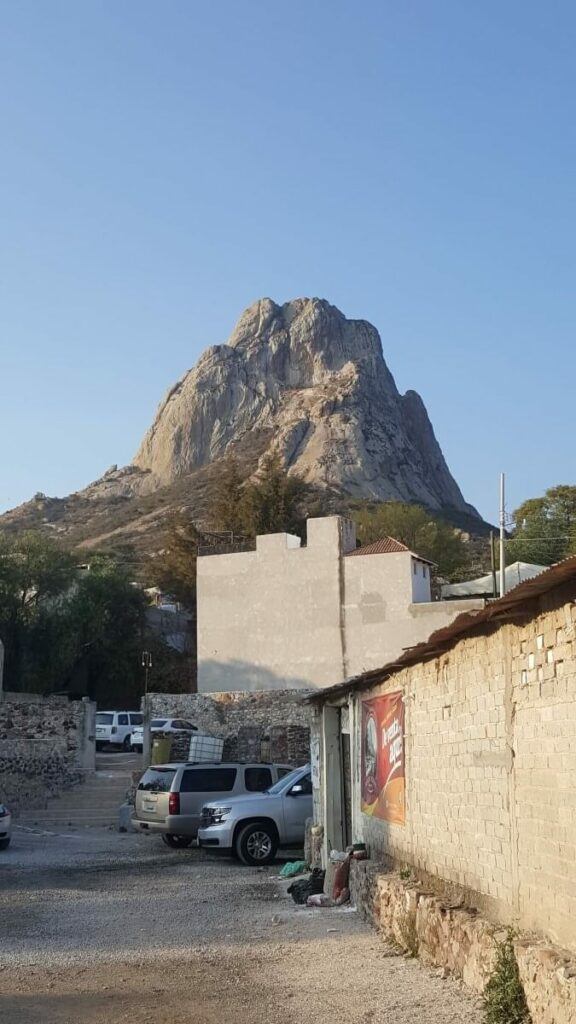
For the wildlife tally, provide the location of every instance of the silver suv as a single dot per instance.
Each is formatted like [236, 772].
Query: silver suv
[253, 828]
[170, 797]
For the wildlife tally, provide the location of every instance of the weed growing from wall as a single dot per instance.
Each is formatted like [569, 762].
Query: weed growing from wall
[504, 999]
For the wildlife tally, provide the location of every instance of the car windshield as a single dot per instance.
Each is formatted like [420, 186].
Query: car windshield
[104, 719]
[286, 780]
[157, 780]
[157, 723]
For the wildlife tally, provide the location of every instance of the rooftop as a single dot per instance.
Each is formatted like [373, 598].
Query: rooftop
[386, 546]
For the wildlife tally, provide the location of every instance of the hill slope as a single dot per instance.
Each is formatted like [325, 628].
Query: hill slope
[298, 379]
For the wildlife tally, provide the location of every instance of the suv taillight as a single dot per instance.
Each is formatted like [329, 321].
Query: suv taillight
[174, 803]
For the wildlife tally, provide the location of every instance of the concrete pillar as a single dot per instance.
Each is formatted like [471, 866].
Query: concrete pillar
[332, 779]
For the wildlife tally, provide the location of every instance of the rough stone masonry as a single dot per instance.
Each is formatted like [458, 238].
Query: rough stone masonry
[43, 747]
[266, 726]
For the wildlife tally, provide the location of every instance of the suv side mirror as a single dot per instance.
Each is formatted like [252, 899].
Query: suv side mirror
[296, 790]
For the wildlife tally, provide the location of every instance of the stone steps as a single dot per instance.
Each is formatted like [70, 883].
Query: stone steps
[94, 802]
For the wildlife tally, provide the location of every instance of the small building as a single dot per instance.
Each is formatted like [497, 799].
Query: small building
[291, 616]
[457, 759]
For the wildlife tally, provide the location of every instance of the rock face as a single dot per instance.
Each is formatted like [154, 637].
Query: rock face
[316, 384]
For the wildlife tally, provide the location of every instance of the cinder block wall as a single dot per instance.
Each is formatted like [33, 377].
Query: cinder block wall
[491, 771]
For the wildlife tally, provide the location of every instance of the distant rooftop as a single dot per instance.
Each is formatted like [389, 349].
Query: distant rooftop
[386, 546]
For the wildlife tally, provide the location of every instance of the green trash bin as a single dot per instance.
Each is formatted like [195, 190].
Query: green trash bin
[161, 748]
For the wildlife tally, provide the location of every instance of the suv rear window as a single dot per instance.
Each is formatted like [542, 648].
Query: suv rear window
[208, 780]
[157, 780]
[136, 719]
[104, 719]
[257, 779]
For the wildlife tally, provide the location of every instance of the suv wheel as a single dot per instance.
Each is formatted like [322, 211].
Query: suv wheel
[176, 842]
[256, 844]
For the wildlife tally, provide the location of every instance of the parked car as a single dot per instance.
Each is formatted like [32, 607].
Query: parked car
[170, 797]
[116, 727]
[5, 827]
[173, 725]
[253, 828]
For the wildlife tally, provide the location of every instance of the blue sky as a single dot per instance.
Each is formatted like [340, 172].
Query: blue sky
[166, 163]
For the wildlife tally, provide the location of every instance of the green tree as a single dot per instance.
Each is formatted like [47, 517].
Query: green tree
[36, 575]
[420, 531]
[227, 512]
[545, 528]
[105, 618]
[174, 569]
[274, 501]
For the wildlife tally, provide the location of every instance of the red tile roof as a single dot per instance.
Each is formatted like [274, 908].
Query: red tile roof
[385, 546]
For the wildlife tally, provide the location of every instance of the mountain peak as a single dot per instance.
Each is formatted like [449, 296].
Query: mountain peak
[317, 384]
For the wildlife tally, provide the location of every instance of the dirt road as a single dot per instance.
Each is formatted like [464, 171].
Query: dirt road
[99, 927]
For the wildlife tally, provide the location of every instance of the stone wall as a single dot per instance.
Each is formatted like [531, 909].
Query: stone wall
[266, 726]
[45, 746]
[446, 934]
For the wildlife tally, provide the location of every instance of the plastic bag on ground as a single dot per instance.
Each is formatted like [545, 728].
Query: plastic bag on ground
[319, 900]
[293, 867]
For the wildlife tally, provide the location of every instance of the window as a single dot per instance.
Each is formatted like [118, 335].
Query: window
[282, 784]
[157, 723]
[208, 780]
[283, 770]
[136, 719]
[257, 779]
[122, 719]
[188, 725]
[157, 780]
[306, 784]
[104, 719]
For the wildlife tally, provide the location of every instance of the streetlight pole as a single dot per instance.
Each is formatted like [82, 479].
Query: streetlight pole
[146, 665]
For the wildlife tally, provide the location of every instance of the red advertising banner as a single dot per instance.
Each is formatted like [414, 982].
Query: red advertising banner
[383, 780]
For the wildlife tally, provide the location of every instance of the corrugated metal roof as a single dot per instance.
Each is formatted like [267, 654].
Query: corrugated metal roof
[440, 641]
[386, 546]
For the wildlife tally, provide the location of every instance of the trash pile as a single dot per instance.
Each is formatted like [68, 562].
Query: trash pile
[310, 890]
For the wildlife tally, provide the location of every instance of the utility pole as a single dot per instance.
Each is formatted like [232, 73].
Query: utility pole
[502, 535]
[493, 564]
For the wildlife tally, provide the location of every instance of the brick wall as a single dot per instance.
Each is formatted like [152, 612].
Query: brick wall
[490, 751]
[43, 747]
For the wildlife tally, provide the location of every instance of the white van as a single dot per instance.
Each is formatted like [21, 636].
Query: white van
[116, 727]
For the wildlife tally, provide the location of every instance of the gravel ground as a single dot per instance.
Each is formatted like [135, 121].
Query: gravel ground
[101, 927]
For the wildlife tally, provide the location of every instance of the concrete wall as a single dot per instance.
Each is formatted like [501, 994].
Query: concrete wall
[490, 747]
[287, 617]
[46, 745]
[270, 619]
[387, 609]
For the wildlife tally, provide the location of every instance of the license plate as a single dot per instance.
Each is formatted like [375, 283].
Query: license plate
[149, 805]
